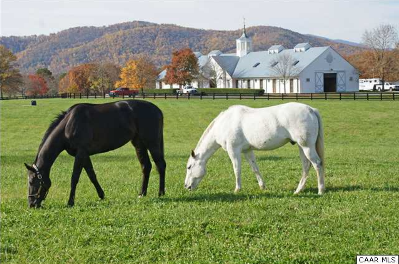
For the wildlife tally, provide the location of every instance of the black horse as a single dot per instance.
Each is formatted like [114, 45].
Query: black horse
[88, 129]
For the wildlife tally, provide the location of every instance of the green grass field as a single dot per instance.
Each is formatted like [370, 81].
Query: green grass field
[359, 214]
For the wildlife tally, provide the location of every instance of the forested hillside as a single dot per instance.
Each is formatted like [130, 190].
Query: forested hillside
[120, 42]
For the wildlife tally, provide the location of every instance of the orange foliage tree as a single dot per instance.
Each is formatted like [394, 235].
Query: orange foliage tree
[36, 85]
[77, 79]
[139, 73]
[183, 69]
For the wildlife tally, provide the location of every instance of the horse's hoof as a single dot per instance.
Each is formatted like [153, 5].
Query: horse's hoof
[237, 190]
[70, 204]
[101, 195]
[162, 193]
[262, 187]
[296, 192]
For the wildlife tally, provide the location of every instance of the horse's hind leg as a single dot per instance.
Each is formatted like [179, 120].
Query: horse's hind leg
[305, 170]
[93, 178]
[249, 155]
[158, 157]
[313, 157]
[144, 159]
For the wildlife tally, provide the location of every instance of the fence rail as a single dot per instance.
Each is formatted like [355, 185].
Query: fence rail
[366, 96]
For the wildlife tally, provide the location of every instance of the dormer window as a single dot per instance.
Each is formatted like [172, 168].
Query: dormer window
[275, 49]
[256, 64]
[295, 63]
[274, 63]
[302, 47]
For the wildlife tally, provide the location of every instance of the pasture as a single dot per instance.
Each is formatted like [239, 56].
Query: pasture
[357, 215]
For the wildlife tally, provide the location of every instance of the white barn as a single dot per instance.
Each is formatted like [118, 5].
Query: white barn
[313, 69]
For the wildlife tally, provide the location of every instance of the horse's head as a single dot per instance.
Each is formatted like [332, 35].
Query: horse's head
[37, 186]
[196, 170]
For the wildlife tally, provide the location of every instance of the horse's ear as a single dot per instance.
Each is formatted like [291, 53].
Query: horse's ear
[29, 167]
[193, 154]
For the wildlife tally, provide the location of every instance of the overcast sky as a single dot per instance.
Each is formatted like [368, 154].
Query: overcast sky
[336, 19]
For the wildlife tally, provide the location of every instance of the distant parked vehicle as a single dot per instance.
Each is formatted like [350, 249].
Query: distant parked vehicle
[123, 91]
[369, 84]
[375, 84]
[188, 89]
[388, 87]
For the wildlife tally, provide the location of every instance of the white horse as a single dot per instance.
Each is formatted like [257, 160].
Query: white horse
[241, 129]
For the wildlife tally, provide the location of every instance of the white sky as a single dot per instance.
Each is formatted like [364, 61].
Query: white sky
[335, 19]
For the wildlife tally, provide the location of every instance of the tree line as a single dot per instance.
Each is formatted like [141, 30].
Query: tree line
[379, 59]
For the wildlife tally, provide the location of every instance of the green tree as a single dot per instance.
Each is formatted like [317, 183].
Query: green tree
[10, 77]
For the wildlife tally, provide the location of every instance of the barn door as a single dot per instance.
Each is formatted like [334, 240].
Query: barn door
[319, 82]
[341, 84]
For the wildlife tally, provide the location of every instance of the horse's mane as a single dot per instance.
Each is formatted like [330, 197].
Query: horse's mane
[206, 132]
[52, 126]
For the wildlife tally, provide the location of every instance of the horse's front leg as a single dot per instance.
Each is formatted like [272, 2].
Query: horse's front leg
[77, 170]
[93, 178]
[235, 157]
[250, 156]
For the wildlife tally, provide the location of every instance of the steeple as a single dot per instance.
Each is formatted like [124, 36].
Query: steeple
[244, 32]
[243, 44]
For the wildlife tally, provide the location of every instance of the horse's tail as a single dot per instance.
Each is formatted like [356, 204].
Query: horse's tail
[320, 141]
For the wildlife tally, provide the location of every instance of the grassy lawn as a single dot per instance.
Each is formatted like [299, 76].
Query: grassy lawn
[357, 215]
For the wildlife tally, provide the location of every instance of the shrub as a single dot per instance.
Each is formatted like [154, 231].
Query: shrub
[230, 91]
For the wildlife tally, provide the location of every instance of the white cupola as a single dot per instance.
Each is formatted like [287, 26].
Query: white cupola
[244, 44]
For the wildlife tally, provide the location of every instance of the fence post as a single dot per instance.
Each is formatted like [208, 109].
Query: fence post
[188, 96]
[311, 96]
[340, 96]
[143, 95]
[282, 96]
[268, 96]
[354, 96]
[154, 95]
[296, 96]
[95, 95]
[393, 96]
[254, 96]
[165, 95]
[381, 95]
[367, 96]
[73, 95]
[240, 96]
[325, 96]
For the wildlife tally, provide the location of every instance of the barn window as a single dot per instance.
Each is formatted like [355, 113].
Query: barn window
[351, 78]
[274, 63]
[308, 79]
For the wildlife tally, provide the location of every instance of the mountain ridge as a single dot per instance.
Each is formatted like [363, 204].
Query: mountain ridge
[120, 42]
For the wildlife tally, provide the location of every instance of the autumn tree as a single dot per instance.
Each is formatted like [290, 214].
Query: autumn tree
[183, 69]
[104, 76]
[285, 67]
[78, 79]
[10, 77]
[381, 40]
[35, 85]
[51, 81]
[139, 73]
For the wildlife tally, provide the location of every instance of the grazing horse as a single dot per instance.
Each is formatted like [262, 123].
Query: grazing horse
[242, 129]
[87, 129]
